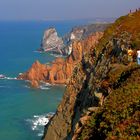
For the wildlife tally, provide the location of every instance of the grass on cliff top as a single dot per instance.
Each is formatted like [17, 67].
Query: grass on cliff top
[119, 117]
[129, 23]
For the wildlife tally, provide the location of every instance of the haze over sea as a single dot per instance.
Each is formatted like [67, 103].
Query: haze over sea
[22, 107]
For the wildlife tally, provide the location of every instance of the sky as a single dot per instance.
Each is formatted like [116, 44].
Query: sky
[64, 9]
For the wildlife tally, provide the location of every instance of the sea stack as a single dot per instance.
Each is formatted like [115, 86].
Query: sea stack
[52, 42]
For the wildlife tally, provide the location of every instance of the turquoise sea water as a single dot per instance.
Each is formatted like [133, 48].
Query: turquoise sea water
[21, 106]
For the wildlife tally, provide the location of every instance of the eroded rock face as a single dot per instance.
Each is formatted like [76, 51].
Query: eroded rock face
[68, 113]
[52, 42]
[93, 79]
[61, 69]
[101, 71]
[35, 74]
[82, 32]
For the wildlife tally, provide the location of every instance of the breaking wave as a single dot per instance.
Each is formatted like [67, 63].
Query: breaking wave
[38, 122]
[27, 86]
[57, 55]
[45, 86]
[3, 77]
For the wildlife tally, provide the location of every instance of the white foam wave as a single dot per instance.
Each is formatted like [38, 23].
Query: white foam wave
[27, 86]
[57, 55]
[44, 87]
[46, 84]
[11, 78]
[39, 121]
[38, 51]
[3, 77]
[40, 134]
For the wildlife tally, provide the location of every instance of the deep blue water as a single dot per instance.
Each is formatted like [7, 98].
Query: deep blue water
[20, 105]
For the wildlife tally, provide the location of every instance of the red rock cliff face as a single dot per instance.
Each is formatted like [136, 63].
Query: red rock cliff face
[61, 69]
[93, 79]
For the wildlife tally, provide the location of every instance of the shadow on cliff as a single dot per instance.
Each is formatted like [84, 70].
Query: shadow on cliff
[101, 72]
[97, 85]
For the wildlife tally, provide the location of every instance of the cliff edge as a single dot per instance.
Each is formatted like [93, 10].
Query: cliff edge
[102, 99]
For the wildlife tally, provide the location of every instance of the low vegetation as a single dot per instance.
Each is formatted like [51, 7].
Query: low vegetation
[119, 117]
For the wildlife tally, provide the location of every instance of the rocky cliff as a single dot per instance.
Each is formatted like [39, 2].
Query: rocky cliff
[81, 32]
[102, 99]
[60, 69]
[51, 42]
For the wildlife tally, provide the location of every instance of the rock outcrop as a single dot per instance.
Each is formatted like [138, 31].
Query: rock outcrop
[81, 32]
[60, 69]
[52, 42]
[102, 97]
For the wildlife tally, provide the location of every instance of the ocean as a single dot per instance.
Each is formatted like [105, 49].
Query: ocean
[23, 110]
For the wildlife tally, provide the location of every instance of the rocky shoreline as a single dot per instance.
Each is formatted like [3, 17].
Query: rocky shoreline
[60, 69]
[73, 46]
[102, 99]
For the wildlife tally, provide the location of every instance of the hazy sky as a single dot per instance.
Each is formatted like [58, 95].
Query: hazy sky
[64, 9]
